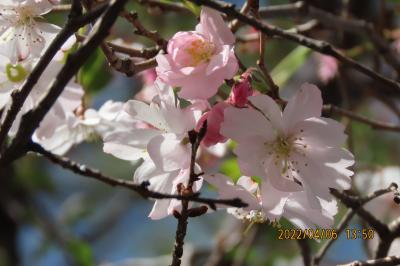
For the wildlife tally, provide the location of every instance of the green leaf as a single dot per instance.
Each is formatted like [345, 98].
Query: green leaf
[94, 75]
[230, 168]
[289, 65]
[81, 252]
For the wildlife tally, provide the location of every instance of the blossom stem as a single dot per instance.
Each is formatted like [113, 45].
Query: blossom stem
[183, 217]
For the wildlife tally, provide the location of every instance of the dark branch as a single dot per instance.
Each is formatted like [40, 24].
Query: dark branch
[316, 45]
[18, 97]
[388, 261]
[141, 189]
[31, 120]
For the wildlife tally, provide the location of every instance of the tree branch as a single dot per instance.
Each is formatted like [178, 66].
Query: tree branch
[332, 21]
[388, 261]
[31, 120]
[18, 97]
[183, 217]
[373, 123]
[141, 189]
[316, 45]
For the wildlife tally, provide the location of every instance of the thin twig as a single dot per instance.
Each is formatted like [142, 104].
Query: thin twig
[128, 66]
[133, 18]
[305, 251]
[356, 204]
[32, 119]
[373, 123]
[141, 189]
[330, 20]
[183, 217]
[316, 45]
[341, 226]
[388, 261]
[18, 97]
[274, 89]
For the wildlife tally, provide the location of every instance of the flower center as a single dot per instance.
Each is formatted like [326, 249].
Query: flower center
[200, 51]
[16, 73]
[282, 146]
[25, 15]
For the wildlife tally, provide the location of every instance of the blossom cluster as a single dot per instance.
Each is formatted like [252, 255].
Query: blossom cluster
[295, 155]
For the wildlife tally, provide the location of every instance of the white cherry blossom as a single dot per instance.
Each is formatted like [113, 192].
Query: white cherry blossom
[164, 182]
[165, 140]
[295, 150]
[76, 128]
[12, 78]
[162, 144]
[22, 32]
[265, 203]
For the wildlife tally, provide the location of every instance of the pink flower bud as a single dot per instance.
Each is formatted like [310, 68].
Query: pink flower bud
[241, 91]
[214, 119]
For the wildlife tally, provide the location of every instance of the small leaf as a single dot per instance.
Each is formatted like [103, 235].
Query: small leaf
[230, 168]
[82, 253]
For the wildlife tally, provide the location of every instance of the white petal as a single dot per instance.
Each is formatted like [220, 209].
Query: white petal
[130, 145]
[269, 108]
[168, 153]
[241, 124]
[305, 104]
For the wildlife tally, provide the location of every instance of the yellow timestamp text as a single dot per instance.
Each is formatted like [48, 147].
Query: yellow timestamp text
[311, 233]
[364, 234]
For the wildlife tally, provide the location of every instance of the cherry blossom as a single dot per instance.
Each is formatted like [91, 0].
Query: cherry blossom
[12, 78]
[367, 182]
[164, 182]
[265, 203]
[384, 208]
[77, 127]
[295, 150]
[21, 34]
[199, 61]
[166, 138]
[163, 144]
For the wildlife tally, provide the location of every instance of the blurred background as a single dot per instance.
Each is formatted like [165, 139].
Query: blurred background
[49, 216]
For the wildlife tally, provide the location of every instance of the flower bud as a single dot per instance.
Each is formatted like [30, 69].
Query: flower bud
[241, 90]
[214, 119]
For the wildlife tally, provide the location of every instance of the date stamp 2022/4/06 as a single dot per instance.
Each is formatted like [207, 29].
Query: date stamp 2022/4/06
[322, 233]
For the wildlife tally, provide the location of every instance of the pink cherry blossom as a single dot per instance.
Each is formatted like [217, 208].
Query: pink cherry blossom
[268, 204]
[241, 91]
[199, 61]
[295, 150]
[21, 35]
[214, 119]
[327, 68]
